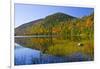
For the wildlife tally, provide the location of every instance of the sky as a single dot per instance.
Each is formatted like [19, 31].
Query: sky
[25, 13]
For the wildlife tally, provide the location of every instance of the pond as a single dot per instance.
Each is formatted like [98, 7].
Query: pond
[31, 51]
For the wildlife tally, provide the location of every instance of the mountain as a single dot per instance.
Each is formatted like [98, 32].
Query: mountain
[29, 24]
[34, 26]
[20, 30]
[58, 17]
[57, 23]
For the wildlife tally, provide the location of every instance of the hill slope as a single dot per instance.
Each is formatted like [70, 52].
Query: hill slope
[37, 26]
[58, 23]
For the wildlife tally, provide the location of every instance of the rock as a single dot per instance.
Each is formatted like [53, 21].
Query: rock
[80, 44]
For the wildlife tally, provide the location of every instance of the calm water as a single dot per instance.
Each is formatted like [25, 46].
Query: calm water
[27, 56]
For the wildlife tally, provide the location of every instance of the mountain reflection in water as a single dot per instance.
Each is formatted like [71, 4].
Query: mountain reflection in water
[27, 56]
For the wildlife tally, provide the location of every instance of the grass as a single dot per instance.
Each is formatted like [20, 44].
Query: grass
[65, 48]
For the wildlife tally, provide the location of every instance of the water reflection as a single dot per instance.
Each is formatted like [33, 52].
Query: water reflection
[39, 51]
[25, 55]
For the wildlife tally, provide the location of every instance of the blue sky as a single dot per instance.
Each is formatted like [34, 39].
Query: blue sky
[25, 13]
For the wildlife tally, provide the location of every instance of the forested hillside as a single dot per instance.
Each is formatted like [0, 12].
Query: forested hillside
[58, 24]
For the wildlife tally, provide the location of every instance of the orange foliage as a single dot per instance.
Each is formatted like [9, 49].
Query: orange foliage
[55, 30]
[88, 22]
